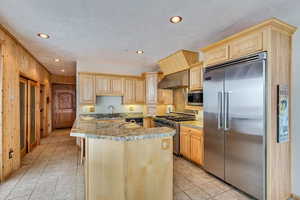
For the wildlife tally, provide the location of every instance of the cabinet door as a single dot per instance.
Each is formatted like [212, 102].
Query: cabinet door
[140, 91]
[151, 88]
[129, 91]
[117, 86]
[103, 85]
[185, 144]
[197, 149]
[87, 89]
[217, 55]
[196, 78]
[246, 45]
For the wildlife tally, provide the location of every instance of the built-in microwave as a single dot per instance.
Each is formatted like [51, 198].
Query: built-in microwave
[195, 98]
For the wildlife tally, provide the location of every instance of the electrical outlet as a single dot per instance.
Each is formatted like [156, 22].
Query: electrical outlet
[11, 154]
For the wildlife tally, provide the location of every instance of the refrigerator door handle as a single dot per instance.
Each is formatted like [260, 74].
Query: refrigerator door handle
[220, 110]
[226, 111]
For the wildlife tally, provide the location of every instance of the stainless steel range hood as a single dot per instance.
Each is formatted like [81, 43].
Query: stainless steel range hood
[176, 80]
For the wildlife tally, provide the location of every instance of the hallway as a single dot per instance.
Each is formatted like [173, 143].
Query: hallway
[51, 171]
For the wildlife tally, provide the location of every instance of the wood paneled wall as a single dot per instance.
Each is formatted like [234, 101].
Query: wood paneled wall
[63, 79]
[16, 61]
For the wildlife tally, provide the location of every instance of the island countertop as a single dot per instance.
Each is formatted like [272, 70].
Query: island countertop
[117, 130]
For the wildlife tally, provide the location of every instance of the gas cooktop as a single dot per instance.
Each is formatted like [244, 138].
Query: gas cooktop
[178, 117]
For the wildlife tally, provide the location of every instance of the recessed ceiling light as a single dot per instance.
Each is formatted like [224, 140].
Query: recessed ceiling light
[43, 35]
[56, 59]
[62, 70]
[139, 51]
[175, 19]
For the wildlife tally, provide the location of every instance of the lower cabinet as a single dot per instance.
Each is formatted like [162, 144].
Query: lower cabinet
[185, 144]
[192, 144]
[197, 149]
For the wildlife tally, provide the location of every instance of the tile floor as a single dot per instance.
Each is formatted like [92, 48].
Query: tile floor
[52, 171]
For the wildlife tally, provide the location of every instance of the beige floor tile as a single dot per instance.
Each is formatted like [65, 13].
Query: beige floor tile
[181, 196]
[52, 171]
[197, 194]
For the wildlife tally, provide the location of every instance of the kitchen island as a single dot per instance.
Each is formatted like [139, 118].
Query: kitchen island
[125, 161]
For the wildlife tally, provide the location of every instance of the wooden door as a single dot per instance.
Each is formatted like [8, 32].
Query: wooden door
[185, 144]
[23, 116]
[103, 85]
[43, 122]
[197, 149]
[64, 105]
[140, 91]
[87, 89]
[129, 91]
[196, 78]
[117, 86]
[32, 114]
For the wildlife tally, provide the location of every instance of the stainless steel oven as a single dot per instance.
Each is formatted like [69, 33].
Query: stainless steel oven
[195, 98]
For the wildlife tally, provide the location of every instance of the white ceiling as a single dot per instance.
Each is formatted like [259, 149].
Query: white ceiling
[110, 31]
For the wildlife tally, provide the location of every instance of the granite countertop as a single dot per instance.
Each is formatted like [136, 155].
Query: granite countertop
[117, 130]
[113, 116]
[193, 124]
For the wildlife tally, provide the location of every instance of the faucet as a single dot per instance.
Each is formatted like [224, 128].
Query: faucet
[111, 107]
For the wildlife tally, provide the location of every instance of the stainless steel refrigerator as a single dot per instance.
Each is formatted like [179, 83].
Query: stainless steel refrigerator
[235, 123]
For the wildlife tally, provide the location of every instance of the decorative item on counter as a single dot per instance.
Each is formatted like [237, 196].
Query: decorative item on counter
[131, 108]
[282, 113]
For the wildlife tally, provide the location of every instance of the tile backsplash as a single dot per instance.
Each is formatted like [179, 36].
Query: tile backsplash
[103, 102]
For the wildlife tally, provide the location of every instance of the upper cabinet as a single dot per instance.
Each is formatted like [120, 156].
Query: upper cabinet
[109, 86]
[117, 86]
[249, 41]
[178, 61]
[87, 89]
[247, 44]
[129, 91]
[151, 88]
[103, 85]
[140, 91]
[196, 76]
[216, 55]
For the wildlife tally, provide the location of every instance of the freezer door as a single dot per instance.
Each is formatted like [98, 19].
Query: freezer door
[213, 127]
[245, 127]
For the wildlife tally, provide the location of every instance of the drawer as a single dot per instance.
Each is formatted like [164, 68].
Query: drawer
[191, 131]
[216, 55]
[246, 45]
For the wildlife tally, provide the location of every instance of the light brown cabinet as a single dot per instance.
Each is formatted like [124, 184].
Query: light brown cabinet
[192, 144]
[117, 86]
[217, 55]
[148, 122]
[247, 44]
[87, 89]
[196, 77]
[151, 88]
[165, 96]
[109, 86]
[103, 85]
[140, 92]
[197, 149]
[129, 91]
[185, 144]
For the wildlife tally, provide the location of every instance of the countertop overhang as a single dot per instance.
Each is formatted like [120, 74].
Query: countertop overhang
[117, 130]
